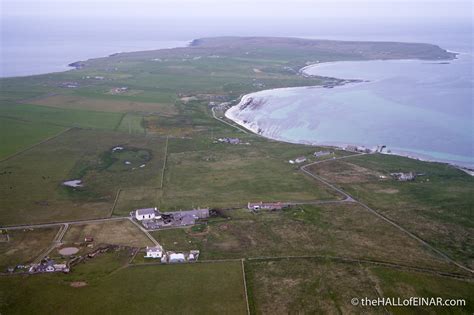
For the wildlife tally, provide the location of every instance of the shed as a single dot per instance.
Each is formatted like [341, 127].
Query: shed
[177, 258]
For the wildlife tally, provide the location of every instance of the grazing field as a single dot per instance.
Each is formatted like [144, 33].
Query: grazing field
[130, 199]
[121, 232]
[24, 246]
[338, 230]
[16, 135]
[109, 104]
[225, 175]
[317, 286]
[215, 288]
[132, 124]
[61, 116]
[76, 154]
[437, 206]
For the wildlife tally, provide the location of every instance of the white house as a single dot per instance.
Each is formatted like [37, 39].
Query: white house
[300, 159]
[177, 258]
[145, 214]
[153, 252]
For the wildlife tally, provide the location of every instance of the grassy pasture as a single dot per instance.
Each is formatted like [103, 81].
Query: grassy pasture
[111, 104]
[215, 288]
[75, 154]
[61, 116]
[223, 175]
[121, 232]
[132, 124]
[24, 246]
[437, 206]
[130, 199]
[342, 230]
[16, 135]
[314, 286]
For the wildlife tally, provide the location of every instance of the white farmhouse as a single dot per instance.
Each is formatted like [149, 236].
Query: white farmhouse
[145, 214]
[153, 252]
[300, 159]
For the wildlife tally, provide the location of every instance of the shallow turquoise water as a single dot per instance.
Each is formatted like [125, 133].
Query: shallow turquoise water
[417, 108]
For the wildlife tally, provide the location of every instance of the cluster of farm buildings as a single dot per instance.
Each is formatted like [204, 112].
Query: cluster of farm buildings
[302, 159]
[153, 219]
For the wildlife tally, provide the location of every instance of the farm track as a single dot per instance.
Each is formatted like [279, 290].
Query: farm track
[164, 163]
[227, 123]
[57, 241]
[146, 233]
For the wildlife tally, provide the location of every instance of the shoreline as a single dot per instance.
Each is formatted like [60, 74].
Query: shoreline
[253, 127]
[341, 146]
[70, 66]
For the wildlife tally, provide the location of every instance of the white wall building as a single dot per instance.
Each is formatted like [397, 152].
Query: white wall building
[153, 252]
[145, 214]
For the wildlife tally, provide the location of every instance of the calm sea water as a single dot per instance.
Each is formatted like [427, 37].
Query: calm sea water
[43, 55]
[417, 108]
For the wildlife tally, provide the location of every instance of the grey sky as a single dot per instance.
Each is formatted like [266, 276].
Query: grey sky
[238, 8]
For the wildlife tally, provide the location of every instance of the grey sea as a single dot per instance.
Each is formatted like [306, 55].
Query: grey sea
[416, 108]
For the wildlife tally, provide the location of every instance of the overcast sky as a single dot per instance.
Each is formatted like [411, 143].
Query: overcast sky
[238, 8]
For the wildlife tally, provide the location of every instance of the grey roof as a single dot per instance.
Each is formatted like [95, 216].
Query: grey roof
[145, 211]
[153, 249]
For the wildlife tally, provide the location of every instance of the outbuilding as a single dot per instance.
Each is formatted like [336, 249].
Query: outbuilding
[177, 258]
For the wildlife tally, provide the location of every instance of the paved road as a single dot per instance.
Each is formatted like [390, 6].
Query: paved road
[225, 122]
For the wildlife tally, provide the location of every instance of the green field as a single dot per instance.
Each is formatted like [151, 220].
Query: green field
[60, 116]
[16, 135]
[314, 286]
[437, 206]
[215, 288]
[344, 230]
[76, 154]
[223, 175]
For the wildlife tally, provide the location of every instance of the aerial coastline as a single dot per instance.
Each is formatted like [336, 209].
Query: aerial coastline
[253, 100]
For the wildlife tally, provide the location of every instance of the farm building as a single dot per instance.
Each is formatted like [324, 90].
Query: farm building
[176, 258]
[48, 266]
[404, 177]
[300, 159]
[145, 214]
[229, 140]
[153, 252]
[321, 153]
[255, 206]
